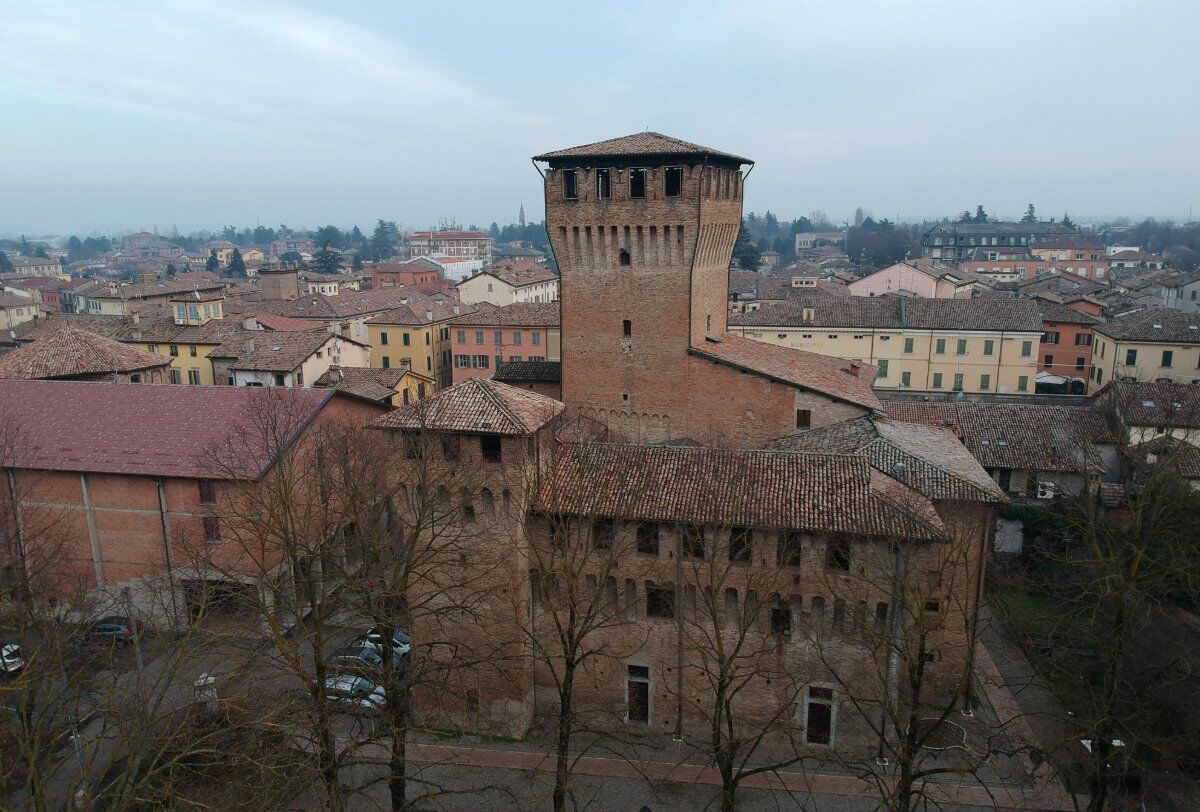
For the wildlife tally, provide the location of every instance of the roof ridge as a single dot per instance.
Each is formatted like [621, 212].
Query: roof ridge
[494, 398]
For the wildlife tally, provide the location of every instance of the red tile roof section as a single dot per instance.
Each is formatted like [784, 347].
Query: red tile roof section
[69, 352]
[476, 405]
[148, 430]
[834, 377]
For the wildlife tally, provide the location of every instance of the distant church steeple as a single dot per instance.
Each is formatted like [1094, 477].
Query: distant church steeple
[521, 216]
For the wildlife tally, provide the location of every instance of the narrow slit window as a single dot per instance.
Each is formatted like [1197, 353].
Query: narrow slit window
[603, 184]
[673, 177]
[627, 328]
[637, 183]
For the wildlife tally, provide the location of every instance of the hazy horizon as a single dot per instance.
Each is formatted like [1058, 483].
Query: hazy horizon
[194, 115]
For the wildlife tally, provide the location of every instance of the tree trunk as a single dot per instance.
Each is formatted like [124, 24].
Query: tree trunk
[398, 706]
[562, 745]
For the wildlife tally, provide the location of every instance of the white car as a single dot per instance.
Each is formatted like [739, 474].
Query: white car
[355, 691]
[401, 642]
[10, 658]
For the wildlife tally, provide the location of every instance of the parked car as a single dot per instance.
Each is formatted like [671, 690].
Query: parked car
[111, 630]
[353, 691]
[11, 660]
[357, 657]
[401, 642]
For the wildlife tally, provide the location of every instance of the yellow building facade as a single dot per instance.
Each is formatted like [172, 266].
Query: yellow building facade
[423, 348]
[1158, 344]
[995, 350]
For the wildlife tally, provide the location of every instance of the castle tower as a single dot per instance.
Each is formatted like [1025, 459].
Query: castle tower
[642, 228]
[279, 283]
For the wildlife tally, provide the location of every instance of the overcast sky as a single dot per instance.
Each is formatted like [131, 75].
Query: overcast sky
[119, 116]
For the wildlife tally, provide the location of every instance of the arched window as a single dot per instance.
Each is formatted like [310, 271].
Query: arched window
[624, 258]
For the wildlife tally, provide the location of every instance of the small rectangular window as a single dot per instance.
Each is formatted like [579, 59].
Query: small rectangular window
[803, 418]
[958, 381]
[837, 555]
[940, 346]
[604, 530]
[660, 602]
[570, 184]
[740, 544]
[1130, 357]
[637, 183]
[603, 184]
[212, 528]
[937, 380]
[787, 554]
[627, 328]
[908, 345]
[818, 716]
[637, 694]
[1167, 357]
[1026, 349]
[906, 379]
[962, 347]
[673, 177]
[647, 538]
[406, 341]
[1023, 383]
[383, 338]
[988, 346]
[883, 368]
[692, 536]
[207, 491]
[489, 447]
[985, 381]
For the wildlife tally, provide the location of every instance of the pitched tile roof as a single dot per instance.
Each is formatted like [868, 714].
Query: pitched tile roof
[896, 312]
[477, 405]
[366, 382]
[930, 460]
[1154, 324]
[68, 352]
[147, 430]
[517, 314]
[1171, 452]
[805, 370]
[639, 145]
[529, 372]
[1018, 436]
[345, 305]
[421, 310]
[270, 321]
[273, 351]
[823, 493]
[1062, 314]
[518, 273]
[1169, 405]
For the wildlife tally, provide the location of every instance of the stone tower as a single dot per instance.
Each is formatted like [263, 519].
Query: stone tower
[279, 283]
[642, 228]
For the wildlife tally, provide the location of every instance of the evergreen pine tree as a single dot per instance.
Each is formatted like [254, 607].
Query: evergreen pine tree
[237, 266]
[326, 261]
[383, 240]
[980, 215]
[1066, 221]
[745, 251]
[211, 264]
[1030, 215]
[6, 265]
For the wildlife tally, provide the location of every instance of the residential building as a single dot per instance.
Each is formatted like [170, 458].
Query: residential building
[510, 281]
[116, 299]
[807, 240]
[35, 266]
[135, 489]
[471, 245]
[68, 353]
[543, 377]
[1148, 411]
[418, 274]
[1136, 260]
[1066, 347]
[17, 308]
[415, 336]
[394, 387]
[299, 243]
[1032, 451]
[1156, 344]
[932, 345]
[489, 336]
[750, 290]
[348, 313]
[642, 228]
[925, 278]
[952, 242]
[287, 359]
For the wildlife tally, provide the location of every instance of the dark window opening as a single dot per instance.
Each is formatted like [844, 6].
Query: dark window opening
[603, 184]
[803, 418]
[660, 601]
[489, 447]
[818, 716]
[788, 552]
[837, 554]
[603, 532]
[647, 538]
[781, 620]
[674, 181]
[637, 694]
[624, 258]
[450, 448]
[637, 183]
[881, 615]
[933, 605]
[208, 491]
[740, 539]
[212, 528]
[627, 328]
[693, 541]
[570, 184]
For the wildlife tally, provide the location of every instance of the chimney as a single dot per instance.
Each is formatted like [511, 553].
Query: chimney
[249, 323]
[136, 317]
[456, 310]
[428, 315]
[248, 348]
[854, 369]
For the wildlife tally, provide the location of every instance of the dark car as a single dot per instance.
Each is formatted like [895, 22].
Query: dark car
[111, 630]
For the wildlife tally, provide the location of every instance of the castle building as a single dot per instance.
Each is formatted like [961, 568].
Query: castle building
[643, 228]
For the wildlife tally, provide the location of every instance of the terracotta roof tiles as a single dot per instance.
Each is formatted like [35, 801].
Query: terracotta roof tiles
[69, 352]
[477, 405]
